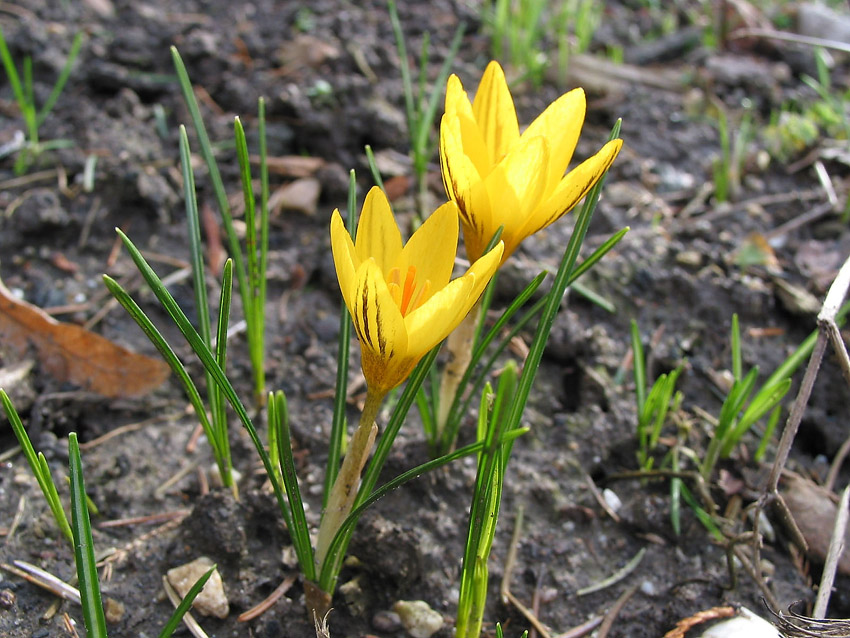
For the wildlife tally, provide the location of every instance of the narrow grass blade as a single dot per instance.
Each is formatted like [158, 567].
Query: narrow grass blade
[459, 404]
[185, 604]
[199, 285]
[373, 168]
[215, 174]
[430, 110]
[279, 419]
[165, 350]
[703, 516]
[48, 105]
[93, 616]
[559, 286]
[222, 444]
[404, 68]
[764, 402]
[259, 349]
[638, 367]
[340, 542]
[12, 73]
[38, 466]
[737, 366]
[254, 275]
[304, 553]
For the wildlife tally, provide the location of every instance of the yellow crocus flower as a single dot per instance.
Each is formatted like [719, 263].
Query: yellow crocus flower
[499, 177]
[400, 297]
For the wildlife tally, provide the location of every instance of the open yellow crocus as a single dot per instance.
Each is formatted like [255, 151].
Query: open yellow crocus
[499, 177]
[400, 296]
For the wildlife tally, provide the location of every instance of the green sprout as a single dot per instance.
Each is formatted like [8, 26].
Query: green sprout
[420, 105]
[486, 502]
[78, 531]
[522, 33]
[728, 168]
[652, 406]
[24, 96]
[250, 266]
[39, 467]
[739, 413]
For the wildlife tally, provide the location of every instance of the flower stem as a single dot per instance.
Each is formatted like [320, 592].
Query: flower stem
[459, 345]
[344, 490]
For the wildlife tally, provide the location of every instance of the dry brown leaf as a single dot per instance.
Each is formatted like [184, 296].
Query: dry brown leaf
[292, 165]
[71, 353]
[814, 511]
[302, 195]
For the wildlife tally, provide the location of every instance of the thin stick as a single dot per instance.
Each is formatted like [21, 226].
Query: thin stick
[188, 469]
[791, 37]
[794, 419]
[124, 429]
[505, 586]
[192, 624]
[19, 515]
[826, 182]
[612, 614]
[837, 462]
[616, 577]
[258, 610]
[831, 305]
[583, 629]
[43, 579]
[151, 518]
[836, 547]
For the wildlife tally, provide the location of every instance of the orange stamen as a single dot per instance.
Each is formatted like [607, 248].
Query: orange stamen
[393, 281]
[417, 300]
[407, 291]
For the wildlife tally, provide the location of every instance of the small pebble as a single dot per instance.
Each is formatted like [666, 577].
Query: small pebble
[113, 610]
[386, 621]
[612, 500]
[212, 600]
[419, 620]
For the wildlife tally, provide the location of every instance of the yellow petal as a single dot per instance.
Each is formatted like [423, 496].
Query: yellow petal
[379, 326]
[495, 113]
[432, 249]
[463, 183]
[484, 269]
[345, 259]
[561, 125]
[572, 188]
[378, 236]
[516, 187]
[432, 322]
[472, 142]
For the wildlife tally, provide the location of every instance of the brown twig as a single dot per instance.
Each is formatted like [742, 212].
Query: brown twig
[505, 586]
[612, 614]
[837, 462]
[142, 520]
[836, 548]
[257, 610]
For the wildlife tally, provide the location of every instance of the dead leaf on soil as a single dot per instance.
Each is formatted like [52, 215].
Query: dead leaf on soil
[814, 511]
[302, 195]
[71, 353]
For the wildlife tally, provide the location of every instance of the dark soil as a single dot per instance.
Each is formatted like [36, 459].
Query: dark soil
[331, 76]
